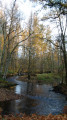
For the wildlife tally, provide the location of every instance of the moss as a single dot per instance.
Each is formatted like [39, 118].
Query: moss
[48, 77]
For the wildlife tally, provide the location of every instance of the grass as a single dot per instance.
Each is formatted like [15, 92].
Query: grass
[11, 72]
[48, 78]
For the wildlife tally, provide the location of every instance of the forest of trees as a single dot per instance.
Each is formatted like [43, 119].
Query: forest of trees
[40, 53]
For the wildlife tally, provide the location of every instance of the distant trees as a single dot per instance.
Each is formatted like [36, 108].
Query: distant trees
[34, 50]
[10, 33]
[59, 15]
[39, 52]
[10, 30]
[62, 15]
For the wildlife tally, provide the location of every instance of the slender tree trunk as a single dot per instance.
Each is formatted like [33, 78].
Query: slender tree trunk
[65, 57]
[6, 70]
[58, 61]
[41, 65]
[6, 66]
[8, 58]
[2, 60]
[29, 66]
[52, 69]
[4, 47]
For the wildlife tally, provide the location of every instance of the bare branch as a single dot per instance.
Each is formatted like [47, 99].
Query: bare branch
[19, 43]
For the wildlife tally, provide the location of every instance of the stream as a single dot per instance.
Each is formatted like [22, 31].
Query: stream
[38, 98]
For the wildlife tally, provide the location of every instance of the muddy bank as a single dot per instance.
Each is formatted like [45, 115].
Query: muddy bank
[61, 88]
[25, 79]
[7, 94]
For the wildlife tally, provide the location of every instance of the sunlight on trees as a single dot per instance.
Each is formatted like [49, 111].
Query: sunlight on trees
[58, 14]
[40, 52]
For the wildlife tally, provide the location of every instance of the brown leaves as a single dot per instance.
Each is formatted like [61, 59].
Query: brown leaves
[34, 117]
[6, 94]
[65, 110]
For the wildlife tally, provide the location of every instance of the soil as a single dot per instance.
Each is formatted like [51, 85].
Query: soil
[8, 94]
[61, 88]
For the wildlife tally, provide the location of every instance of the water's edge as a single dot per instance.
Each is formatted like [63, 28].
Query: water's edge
[38, 98]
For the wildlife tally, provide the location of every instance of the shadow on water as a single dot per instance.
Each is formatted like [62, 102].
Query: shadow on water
[39, 99]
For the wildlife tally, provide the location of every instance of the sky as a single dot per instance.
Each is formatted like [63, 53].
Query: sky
[24, 5]
[26, 8]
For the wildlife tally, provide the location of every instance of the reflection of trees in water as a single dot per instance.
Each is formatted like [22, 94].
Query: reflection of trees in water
[30, 88]
[26, 104]
[8, 107]
[29, 103]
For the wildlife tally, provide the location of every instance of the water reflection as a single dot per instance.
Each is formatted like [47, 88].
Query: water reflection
[33, 89]
[37, 99]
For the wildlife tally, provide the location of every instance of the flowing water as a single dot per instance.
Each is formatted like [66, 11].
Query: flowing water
[38, 98]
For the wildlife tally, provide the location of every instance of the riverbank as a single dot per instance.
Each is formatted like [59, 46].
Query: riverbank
[26, 101]
[51, 79]
[46, 78]
[8, 94]
[6, 91]
[61, 88]
[34, 117]
[5, 83]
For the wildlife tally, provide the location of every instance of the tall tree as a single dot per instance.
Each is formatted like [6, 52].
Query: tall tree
[11, 30]
[36, 47]
[59, 12]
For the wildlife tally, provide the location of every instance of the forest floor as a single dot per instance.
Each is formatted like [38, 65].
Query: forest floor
[34, 117]
[6, 93]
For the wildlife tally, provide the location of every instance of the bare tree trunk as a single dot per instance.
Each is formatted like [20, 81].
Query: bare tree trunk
[6, 66]
[65, 57]
[52, 69]
[4, 48]
[6, 69]
[2, 60]
[29, 66]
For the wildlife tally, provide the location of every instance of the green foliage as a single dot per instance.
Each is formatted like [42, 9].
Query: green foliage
[48, 77]
[1, 78]
[4, 83]
[10, 72]
[4, 119]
